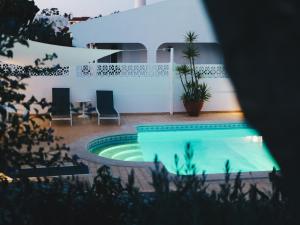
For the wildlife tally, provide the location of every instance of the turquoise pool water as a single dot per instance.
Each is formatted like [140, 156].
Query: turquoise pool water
[212, 146]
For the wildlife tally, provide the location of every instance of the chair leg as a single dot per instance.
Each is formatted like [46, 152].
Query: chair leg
[98, 120]
[71, 122]
[119, 121]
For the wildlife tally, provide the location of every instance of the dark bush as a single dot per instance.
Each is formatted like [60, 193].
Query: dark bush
[106, 201]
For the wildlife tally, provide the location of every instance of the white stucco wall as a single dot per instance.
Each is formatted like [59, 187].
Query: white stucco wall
[135, 92]
[133, 53]
[131, 95]
[209, 53]
[152, 25]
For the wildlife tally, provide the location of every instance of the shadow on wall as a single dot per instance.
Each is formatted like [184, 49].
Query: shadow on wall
[132, 53]
[210, 53]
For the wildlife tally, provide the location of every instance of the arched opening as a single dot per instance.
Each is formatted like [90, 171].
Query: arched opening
[210, 53]
[131, 53]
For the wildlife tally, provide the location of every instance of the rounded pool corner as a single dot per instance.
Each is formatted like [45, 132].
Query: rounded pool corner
[125, 149]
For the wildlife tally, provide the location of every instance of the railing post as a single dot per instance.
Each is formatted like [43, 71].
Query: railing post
[171, 81]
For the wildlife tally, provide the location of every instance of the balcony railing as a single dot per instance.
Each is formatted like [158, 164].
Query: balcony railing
[123, 70]
[144, 70]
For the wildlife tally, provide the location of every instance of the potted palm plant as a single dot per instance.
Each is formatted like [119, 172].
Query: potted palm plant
[195, 92]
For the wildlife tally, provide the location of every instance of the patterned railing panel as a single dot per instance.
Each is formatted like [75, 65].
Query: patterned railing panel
[85, 71]
[144, 70]
[212, 70]
[15, 69]
[124, 70]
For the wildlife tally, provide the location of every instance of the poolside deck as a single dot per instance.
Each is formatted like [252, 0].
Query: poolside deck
[88, 127]
[84, 129]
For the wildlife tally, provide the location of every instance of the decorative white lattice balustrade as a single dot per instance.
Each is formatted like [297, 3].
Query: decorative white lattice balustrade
[144, 70]
[15, 69]
[123, 70]
[212, 70]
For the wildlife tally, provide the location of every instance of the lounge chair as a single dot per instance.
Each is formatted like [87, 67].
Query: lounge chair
[61, 107]
[105, 107]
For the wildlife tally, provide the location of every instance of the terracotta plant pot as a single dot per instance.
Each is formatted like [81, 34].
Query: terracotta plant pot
[193, 108]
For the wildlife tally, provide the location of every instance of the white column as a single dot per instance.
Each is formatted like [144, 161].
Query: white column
[171, 81]
[151, 55]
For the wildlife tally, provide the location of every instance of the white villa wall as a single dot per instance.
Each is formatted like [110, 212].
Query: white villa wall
[133, 52]
[136, 90]
[143, 88]
[133, 57]
[136, 53]
[210, 53]
[131, 95]
[152, 25]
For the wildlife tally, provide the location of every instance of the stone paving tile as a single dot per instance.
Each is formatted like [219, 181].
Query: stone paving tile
[123, 175]
[147, 178]
[139, 183]
[115, 171]
[140, 180]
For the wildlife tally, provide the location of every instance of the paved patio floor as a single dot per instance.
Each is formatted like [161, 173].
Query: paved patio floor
[88, 127]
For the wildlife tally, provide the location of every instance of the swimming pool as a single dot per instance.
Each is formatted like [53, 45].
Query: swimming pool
[212, 145]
